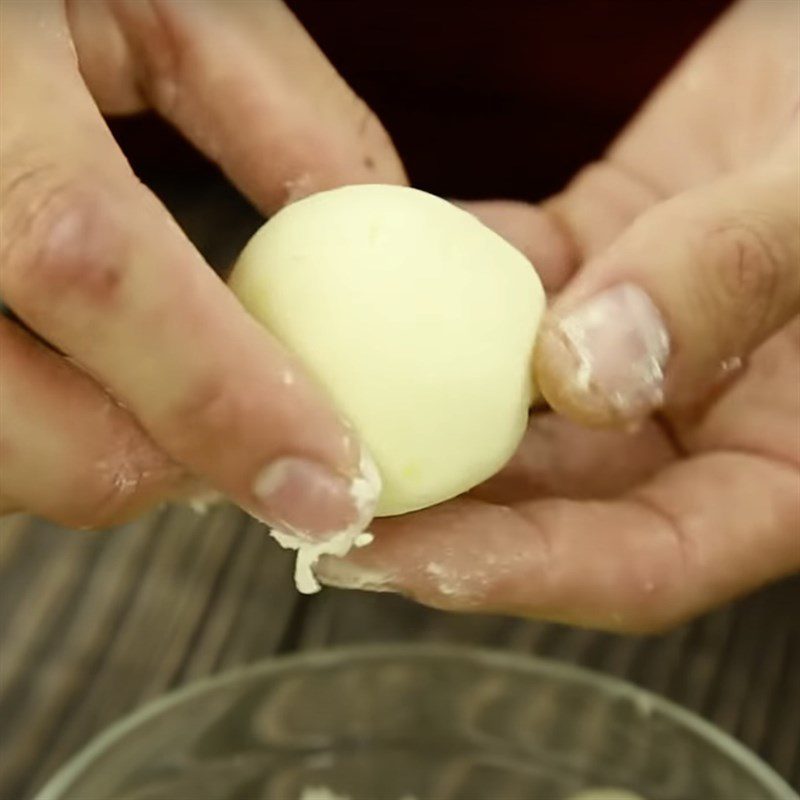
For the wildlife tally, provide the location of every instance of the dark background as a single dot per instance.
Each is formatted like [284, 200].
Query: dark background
[494, 98]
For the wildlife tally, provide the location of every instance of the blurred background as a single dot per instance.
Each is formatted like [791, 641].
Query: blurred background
[507, 98]
[483, 99]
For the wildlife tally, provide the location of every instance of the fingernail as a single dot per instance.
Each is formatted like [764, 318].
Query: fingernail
[304, 498]
[615, 347]
[339, 573]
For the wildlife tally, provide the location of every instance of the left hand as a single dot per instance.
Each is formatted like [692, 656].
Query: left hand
[129, 373]
[687, 235]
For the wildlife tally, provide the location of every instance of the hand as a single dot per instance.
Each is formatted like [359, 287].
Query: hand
[146, 379]
[673, 259]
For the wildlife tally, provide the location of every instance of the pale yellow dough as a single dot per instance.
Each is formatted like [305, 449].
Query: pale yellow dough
[417, 319]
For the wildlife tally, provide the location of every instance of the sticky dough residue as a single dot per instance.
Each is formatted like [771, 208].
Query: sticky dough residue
[365, 491]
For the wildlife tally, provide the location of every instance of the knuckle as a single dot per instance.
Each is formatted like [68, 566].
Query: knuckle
[167, 55]
[378, 150]
[595, 175]
[123, 477]
[745, 273]
[113, 500]
[367, 122]
[658, 596]
[58, 240]
[210, 413]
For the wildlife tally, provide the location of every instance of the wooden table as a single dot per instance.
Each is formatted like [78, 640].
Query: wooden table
[95, 624]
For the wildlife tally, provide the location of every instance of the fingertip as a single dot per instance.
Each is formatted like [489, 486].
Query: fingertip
[602, 363]
[311, 502]
[564, 381]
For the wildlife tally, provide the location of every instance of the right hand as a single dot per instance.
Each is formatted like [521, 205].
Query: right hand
[672, 259]
[148, 380]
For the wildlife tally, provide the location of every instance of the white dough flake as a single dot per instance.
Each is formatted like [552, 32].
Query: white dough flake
[365, 491]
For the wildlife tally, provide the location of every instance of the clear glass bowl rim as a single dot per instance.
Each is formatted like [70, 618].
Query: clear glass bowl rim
[498, 659]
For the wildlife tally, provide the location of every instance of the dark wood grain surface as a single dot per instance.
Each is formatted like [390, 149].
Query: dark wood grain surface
[95, 624]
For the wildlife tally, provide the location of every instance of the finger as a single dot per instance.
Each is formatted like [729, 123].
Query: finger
[561, 233]
[559, 458]
[700, 533]
[67, 451]
[533, 232]
[600, 202]
[245, 83]
[686, 293]
[93, 263]
[8, 506]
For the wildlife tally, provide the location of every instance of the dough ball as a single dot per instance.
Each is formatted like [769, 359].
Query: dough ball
[417, 319]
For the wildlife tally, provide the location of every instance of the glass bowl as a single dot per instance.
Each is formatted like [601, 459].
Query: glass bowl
[412, 721]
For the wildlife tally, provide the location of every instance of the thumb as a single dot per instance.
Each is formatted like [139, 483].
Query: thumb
[690, 289]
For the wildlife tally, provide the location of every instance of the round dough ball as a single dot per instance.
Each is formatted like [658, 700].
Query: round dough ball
[417, 319]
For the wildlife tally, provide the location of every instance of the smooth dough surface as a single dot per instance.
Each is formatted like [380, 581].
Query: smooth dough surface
[417, 319]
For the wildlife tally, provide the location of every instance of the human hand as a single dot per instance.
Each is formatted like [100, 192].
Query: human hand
[150, 381]
[675, 266]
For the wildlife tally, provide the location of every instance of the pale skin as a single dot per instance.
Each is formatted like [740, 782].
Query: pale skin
[639, 530]
[599, 527]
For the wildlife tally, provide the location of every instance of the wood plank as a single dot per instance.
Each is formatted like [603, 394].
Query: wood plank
[176, 597]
